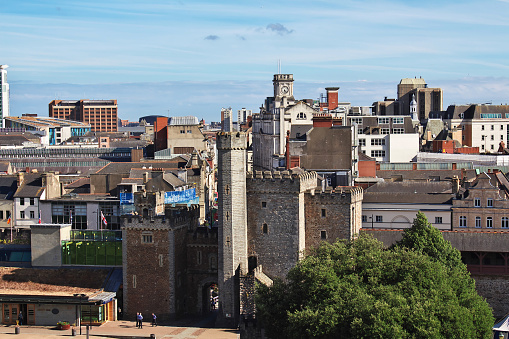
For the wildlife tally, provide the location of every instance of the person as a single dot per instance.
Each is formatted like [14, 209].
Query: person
[140, 320]
[154, 320]
[20, 318]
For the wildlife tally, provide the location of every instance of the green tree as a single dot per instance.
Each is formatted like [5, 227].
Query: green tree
[425, 238]
[358, 289]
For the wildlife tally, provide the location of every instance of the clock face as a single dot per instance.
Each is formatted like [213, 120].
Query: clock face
[285, 90]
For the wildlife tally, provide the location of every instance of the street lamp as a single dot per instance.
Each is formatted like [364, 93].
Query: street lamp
[371, 217]
[80, 295]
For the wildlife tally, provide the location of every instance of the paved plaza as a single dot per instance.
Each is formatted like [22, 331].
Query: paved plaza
[124, 330]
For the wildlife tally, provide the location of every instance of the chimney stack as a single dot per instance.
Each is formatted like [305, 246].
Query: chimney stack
[455, 184]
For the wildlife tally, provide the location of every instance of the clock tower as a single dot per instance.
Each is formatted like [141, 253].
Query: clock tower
[283, 86]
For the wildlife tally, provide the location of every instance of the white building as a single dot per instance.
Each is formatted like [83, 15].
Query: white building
[483, 126]
[394, 205]
[4, 94]
[276, 117]
[387, 138]
[242, 115]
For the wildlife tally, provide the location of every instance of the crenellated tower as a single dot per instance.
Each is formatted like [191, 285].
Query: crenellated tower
[232, 213]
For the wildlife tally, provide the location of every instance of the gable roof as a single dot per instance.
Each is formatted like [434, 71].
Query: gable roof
[31, 187]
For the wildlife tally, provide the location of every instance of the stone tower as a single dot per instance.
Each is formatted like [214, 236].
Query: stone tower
[232, 237]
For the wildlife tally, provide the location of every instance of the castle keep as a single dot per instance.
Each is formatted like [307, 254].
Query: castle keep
[268, 219]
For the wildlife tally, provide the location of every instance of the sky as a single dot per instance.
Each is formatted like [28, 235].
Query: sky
[178, 58]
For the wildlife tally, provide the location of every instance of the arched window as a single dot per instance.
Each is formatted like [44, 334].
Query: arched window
[301, 116]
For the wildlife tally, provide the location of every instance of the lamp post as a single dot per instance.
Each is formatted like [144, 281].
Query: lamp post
[371, 217]
[80, 295]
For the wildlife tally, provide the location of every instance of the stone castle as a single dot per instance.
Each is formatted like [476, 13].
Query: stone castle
[267, 220]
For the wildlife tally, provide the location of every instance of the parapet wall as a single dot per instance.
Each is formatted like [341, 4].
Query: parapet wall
[281, 182]
[231, 140]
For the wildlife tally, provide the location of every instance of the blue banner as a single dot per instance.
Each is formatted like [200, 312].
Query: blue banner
[126, 198]
[179, 196]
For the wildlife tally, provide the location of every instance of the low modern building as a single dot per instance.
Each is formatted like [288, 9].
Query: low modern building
[53, 131]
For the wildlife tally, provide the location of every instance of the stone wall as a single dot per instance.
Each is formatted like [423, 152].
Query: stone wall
[496, 291]
[232, 213]
[332, 215]
[276, 220]
[155, 272]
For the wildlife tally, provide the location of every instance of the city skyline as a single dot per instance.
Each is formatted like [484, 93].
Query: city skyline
[192, 58]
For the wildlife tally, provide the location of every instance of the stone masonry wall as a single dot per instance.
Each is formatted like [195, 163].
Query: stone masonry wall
[328, 213]
[154, 272]
[147, 281]
[232, 237]
[275, 226]
[496, 291]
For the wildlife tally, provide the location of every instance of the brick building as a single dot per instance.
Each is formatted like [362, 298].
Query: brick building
[102, 115]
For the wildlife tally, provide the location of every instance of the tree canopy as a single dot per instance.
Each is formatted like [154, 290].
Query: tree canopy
[358, 289]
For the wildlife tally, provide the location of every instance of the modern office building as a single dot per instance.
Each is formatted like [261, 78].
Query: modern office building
[4, 94]
[227, 119]
[242, 115]
[102, 115]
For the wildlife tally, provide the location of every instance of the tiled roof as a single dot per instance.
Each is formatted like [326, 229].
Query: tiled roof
[409, 192]
[31, 186]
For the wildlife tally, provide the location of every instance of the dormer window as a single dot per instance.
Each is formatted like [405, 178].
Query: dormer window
[301, 116]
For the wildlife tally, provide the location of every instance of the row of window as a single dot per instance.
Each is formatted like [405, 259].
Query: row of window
[22, 215]
[377, 153]
[379, 218]
[184, 131]
[492, 127]
[22, 201]
[477, 202]
[360, 130]
[492, 137]
[478, 222]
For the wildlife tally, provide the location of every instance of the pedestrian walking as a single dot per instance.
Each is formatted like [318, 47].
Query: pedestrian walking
[154, 320]
[20, 318]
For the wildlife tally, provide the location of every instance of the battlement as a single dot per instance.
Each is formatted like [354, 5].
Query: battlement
[289, 180]
[350, 194]
[231, 141]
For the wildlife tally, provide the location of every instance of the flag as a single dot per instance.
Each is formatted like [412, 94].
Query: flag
[40, 217]
[103, 219]
[9, 220]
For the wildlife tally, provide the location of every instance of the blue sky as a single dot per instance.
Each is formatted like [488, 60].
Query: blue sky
[194, 57]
